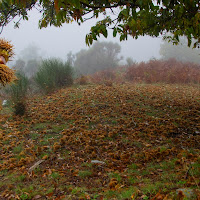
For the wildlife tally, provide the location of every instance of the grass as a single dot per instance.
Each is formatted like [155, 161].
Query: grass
[84, 174]
[17, 149]
[55, 175]
[69, 130]
[133, 166]
[40, 126]
[195, 169]
[85, 164]
[116, 176]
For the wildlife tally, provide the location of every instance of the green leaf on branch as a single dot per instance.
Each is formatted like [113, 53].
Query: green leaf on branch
[114, 32]
[137, 18]
[122, 37]
[77, 3]
[105, 33]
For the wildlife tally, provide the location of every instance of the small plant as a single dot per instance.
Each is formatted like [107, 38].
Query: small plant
[181, 182]
[55, 175]
[18, 93]
[24, 196]
[20, 108]
[22, 177]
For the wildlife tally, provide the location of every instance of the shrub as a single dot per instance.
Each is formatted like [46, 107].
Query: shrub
[53, 74]
[170, 71]
[20, 108]
[108, 83]
[83, 80]
[18, 93]
[103, 76]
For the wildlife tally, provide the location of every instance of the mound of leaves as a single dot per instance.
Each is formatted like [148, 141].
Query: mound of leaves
[104, 142]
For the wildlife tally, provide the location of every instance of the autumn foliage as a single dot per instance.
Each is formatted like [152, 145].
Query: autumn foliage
[103, 76]
[154, 71]
[169, 71]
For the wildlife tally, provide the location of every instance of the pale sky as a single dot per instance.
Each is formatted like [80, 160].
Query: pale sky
[57, 42]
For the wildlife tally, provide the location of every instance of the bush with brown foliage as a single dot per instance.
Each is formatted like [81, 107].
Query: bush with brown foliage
[83, 80]
[170, 71]
[103, 76]
[154, 71]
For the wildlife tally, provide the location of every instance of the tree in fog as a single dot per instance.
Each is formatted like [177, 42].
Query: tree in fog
[180, 52]
[70, 58]
[101, 56]
[129, 61]
[31, 52]
[29, 60]
[31, 67]
[19, 65]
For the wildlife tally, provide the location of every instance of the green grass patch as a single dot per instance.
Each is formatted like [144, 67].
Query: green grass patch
[84, 174]
[127, 193]
[40, 126]
[86, 164]
[115, 175]
[18, 149]
[55, 175]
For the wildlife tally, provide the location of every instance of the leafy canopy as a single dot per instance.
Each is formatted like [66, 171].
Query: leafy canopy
[124, 17]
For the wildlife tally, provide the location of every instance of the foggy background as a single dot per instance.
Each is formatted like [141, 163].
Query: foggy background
[58, 42]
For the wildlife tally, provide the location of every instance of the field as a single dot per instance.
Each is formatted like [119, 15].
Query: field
[123, 141]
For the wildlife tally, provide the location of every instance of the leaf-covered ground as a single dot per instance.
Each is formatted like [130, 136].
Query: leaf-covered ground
[126, 141]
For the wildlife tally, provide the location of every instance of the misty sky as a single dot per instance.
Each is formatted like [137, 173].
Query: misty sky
[57, 42]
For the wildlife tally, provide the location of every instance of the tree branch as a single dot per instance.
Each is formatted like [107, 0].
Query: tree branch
[120, 3]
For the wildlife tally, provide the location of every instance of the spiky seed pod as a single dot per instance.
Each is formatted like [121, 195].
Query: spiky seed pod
[7, 75]
[6, 49]
[6, 52]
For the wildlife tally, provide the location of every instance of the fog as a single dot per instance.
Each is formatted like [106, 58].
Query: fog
[57, 42]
